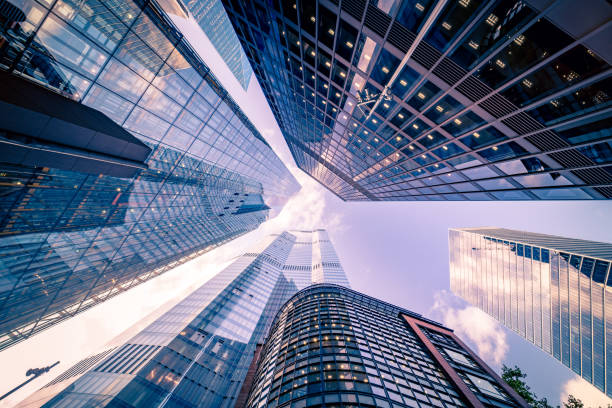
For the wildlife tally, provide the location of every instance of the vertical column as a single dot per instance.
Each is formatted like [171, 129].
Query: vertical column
[507, 285]
[586, 326]
[555, 306]
[545, 290]
[536, 265]
[513, 287]
[528, 274]
[520, 293]
[574, 311]
[564, 304]
[598, 339]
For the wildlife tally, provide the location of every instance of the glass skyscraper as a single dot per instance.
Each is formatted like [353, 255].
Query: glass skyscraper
[198, 353]
[438, 100]
[334, 347]
[121, 156]
[212, 17]
[555, 292]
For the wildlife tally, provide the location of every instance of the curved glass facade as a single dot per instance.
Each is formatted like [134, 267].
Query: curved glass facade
[553, 291]
[198, 354]
[408, 100]
[334, 347]
[71, 239]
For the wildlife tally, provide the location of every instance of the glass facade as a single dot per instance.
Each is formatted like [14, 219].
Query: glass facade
[71, 239]
[555, 292]
[212, 17]
[199, 352]
[418, 100]
[330, 346]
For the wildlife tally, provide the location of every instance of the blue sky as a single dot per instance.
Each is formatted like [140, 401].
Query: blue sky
[395, 251]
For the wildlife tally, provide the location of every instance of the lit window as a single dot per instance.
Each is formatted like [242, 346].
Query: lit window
[519, 40]
[492, 19]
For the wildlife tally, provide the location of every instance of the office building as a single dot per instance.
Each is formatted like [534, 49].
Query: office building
[121, 156]
[211, 16]
[553, 291]
[439, 100]
[198, 353]
[330, 346]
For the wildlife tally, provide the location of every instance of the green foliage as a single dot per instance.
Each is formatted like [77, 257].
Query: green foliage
[515, 378]
[573, 402]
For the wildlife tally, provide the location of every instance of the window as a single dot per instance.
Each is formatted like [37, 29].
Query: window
[423, 95]
[538, 41]
[463, 123]
[485, 386]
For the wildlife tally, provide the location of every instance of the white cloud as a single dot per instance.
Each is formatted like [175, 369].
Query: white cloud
[590, 396]
[473, 326]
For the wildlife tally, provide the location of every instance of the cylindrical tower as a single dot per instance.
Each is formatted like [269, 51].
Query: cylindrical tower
[331, 346]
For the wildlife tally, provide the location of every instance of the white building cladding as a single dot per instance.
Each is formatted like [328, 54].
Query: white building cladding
[555, 292]
[199, 352]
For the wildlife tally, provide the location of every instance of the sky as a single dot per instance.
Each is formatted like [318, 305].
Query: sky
[395, 251]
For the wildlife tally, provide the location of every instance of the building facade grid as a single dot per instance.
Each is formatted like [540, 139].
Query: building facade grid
[424, 100]
[69, 240]
[557, 298]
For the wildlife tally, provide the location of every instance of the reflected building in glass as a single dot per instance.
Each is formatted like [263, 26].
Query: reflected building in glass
[553, 291]
[211, 16]
[199, 353]
[121, 156]
[330, 346]
[438, 100]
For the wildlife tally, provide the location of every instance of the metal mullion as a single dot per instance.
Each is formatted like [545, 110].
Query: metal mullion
[564, 170]
[423, 29]
[517, 137]
[471, 72]
[164, 61]
[65, 209]
[513, 81]
[503, 190]
[515, 189]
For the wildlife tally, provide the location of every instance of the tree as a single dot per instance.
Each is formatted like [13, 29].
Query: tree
[573, 402]
[514, 377]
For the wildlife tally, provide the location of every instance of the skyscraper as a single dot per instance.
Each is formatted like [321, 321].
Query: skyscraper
[438, 100]
[121, 157]
[331, 346]
[211, 16]
[199, 352]
[555, 292]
